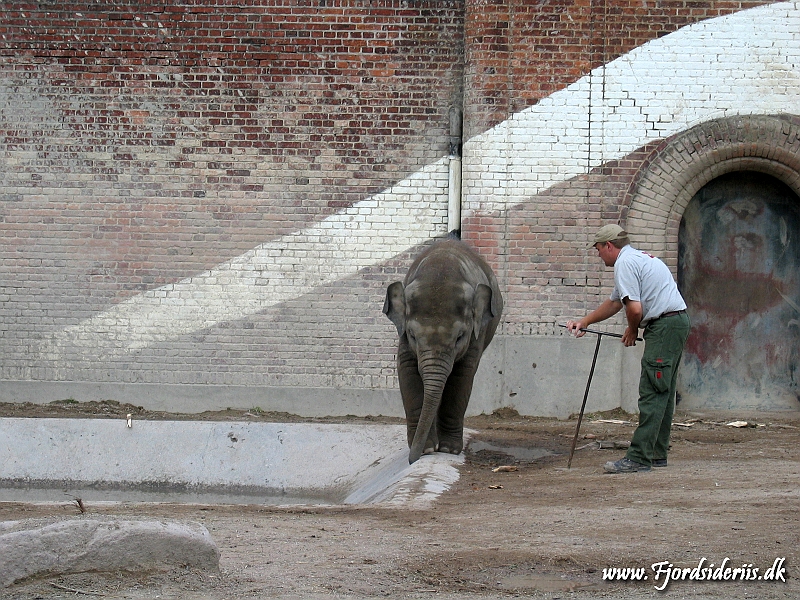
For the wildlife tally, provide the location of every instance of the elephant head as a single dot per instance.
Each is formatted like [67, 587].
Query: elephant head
[442, 319]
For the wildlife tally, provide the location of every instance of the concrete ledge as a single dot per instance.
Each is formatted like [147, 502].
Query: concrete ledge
[546, 376]
[215, 462]
[192, 399]
[507, 377]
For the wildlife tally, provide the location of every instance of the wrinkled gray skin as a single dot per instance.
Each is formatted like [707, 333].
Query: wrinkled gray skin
[446, 312]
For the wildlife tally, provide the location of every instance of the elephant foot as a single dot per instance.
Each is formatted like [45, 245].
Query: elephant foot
[431, 447]
[451, 447]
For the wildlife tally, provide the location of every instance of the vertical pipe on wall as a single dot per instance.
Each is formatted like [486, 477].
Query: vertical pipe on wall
[454, 196]
[454, 181]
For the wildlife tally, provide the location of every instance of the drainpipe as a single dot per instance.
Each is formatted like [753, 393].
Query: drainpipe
[454, 183]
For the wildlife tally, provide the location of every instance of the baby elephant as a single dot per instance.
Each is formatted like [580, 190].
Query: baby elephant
[446, 312]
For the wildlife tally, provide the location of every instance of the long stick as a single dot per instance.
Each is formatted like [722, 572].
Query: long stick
[585, 396]
[616, 335]
[599, 335]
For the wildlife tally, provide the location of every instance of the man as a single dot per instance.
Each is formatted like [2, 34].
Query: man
[644, 286]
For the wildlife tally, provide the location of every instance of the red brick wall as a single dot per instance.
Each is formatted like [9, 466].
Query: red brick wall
[520, 51]
[144, 142]
[517, 53]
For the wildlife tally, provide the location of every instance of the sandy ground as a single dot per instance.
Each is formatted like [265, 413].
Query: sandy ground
[539, 531]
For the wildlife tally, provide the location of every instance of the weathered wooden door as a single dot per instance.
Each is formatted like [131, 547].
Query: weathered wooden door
[739, 271]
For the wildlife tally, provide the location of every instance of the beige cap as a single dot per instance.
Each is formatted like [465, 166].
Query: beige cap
[609, 233]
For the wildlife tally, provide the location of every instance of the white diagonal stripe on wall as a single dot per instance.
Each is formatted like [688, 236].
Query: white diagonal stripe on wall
[744, 63]
[369, 232]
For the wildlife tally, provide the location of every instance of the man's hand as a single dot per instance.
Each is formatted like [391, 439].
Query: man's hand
[575, 328]
[629, 337]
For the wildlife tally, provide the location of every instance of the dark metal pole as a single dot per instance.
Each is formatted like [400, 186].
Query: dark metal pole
[599, 335]
[616, 335]
[585, 396]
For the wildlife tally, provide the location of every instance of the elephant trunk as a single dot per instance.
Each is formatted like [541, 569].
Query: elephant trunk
[434, 371]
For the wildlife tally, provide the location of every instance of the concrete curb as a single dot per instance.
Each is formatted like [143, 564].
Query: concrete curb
[215, 462]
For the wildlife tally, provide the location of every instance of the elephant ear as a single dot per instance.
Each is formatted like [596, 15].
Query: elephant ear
[481, 309]
[395, 306]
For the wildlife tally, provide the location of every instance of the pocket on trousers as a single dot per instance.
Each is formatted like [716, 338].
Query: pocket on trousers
[659, 373]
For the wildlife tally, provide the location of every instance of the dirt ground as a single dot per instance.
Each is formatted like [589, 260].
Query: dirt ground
[540, 531]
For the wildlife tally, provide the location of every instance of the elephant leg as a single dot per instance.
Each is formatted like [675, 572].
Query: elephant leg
[454, 405]
[412, 391]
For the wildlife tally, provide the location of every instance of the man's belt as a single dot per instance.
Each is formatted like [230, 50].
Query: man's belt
[672, 313]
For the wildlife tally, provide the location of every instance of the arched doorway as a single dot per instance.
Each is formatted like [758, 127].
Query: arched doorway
[739, 271]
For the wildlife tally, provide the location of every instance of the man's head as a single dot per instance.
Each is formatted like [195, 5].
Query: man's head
[609, 240]
[611, 233]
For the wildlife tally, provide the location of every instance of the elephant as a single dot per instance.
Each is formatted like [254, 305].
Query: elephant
[446, 312]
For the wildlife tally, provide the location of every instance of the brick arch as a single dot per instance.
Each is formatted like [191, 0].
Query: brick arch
[678, 169]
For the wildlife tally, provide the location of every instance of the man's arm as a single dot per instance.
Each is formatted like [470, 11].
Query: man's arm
[633, 313]
[606, 310]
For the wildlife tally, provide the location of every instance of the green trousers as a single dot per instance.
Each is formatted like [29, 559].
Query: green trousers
[664, 341]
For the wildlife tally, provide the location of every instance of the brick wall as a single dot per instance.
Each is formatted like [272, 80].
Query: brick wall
[143, 147]
[684, 95]
[217, 194]
[567, 105]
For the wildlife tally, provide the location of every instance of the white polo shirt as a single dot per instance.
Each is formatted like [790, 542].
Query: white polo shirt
[643, 278]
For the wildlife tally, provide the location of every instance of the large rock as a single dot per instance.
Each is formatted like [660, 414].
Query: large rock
[36, 548]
